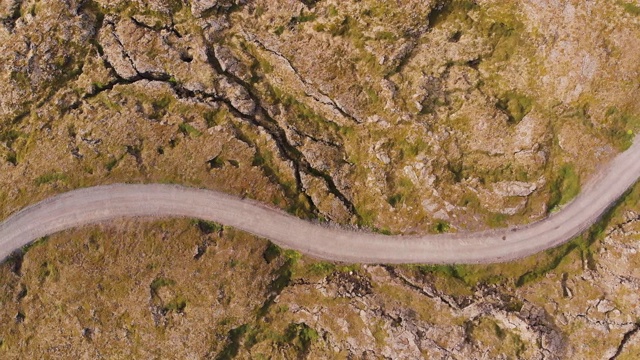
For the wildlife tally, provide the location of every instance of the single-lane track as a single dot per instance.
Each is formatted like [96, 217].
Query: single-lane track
[102, 203]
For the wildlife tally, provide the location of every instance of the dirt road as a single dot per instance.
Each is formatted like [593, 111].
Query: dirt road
[102, 203]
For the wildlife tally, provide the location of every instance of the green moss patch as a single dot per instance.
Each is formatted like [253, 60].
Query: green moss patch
[564, 188]
[622, 127]
[515, 106]
[630, 8]
[50, 178]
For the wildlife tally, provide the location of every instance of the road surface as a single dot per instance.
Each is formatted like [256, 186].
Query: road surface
[103, 203]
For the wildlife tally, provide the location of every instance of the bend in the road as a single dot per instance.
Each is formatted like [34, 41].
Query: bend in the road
[102, 203]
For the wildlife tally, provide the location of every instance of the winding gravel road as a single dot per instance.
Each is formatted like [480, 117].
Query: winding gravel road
[102, 203]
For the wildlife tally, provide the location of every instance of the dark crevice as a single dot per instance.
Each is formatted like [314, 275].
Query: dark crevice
[145, 26]
[20, 316]
[395, 274]
[186, 57]
[603, 323]
[201, 250]
[136, 152]
[455, 37]
[97, 89]
[438, 11]
[16, 12]
[124, 52]
[170, 28]
[474, 64]
[627, 336]
[404, 60]
[20, 116]
[622, 225]
[266, 170]
[287, 151]
[331, 103]
[22, 293]
[313, 138]
[261, 118]
[184, 93]
[15, 259]
[91, 7]
[117, 79]
[233, 343]
[215, 162]
[238, 134]
[441, 11]
[220, 10]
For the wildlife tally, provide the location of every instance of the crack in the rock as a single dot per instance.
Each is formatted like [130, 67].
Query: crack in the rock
[621, 225]
[170, 28]
[263, 119]
[329, 101]
[433, 294]
[182, 92]
[419, 330]
[313, 138]
[625, 339]
[607, 324]
[10, 21]
[16, 259]
[404, 59]
[479, 305]
[282, 145]
[20, 116]
[126, 55]
[413, 38]
[566, 290]
[629, 281]
[96, 90]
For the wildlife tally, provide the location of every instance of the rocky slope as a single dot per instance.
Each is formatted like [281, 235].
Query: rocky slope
[396, 116]
[221, 294]
[459, 115]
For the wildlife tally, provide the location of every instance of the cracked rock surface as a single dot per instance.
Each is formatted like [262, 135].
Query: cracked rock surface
[397, 117]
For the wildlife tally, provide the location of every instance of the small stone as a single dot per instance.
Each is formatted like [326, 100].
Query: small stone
[514, 188]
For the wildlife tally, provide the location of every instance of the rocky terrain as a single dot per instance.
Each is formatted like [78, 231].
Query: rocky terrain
[399, 117]
[221, 294]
